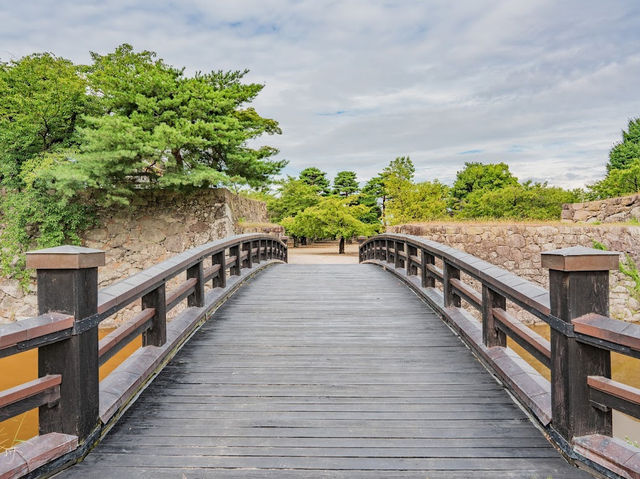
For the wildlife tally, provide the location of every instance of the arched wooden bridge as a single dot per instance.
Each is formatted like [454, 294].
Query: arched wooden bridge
[278, 370]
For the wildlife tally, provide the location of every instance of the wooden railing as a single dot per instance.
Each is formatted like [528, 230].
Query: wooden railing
[575, 406]
[74, 407]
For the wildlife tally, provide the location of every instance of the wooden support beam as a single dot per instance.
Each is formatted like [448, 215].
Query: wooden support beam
[67, 279]
[578, 285]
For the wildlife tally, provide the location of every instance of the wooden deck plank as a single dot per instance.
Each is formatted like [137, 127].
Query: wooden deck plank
[324, 371]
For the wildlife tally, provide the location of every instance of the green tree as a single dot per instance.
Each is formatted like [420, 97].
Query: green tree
[156, 127]
[374, 196]
[398, 174]
[521, 201]
[345, 183]
[315, 177]
[411, 202]
[42, 100]
[623, 154]
[477, 176]
[402, 168]
[331, 218]
[293, 197]
[618, 182]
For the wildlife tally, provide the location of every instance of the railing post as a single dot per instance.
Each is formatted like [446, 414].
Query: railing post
[491, 335]
[67, 278]
[412, 269]
[235, 267]
[428, 281]
[578, 285]
[387, 253]
[197, 297]
[247, 262]
[157, 334]
[450, 272]
[220, 281]
[396, 256]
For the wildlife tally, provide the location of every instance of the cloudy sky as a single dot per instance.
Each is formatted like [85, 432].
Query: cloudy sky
[545, 86]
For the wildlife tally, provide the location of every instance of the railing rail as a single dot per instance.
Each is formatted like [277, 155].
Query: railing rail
[575, 406]
[73, 405]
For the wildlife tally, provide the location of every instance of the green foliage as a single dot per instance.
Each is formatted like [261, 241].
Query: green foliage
[628, 150]
[38, 216]
[315, 177]
[42, 99]
[618, 182]
[517, 201]
[157, 127]
[410, 202]
[345, 183]
[476, 177]
[331, 218]
[293, 197]
[597, 245]
[75, 137]
[629, 268]
[374, 196]
[402, 168]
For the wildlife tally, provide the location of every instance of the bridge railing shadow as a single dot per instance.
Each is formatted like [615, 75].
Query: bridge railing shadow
[74, 407]
[575, 407]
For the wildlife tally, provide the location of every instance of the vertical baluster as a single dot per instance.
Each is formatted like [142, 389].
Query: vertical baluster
[247, 262]
[197, 297]
[412, 269]
[428, 281]
[450, 297]
[235, 267]
[396, 256]
[491, 335]
[157, 334]
[220, 280]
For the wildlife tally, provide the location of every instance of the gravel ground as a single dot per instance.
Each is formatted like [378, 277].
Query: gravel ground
[323, 253]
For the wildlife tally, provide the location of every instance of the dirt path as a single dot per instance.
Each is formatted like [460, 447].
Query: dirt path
[323, 253]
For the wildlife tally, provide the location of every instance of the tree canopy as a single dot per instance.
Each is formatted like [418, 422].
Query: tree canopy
[331, 218]
[345, 183]
[624, 153]
[478, 176]
[294, 196]
[315, 177]
[74, 137]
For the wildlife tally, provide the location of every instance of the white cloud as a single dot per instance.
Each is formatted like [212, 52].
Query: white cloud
[426, 78]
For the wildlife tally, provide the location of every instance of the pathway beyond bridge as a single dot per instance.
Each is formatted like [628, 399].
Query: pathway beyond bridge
[324, 371]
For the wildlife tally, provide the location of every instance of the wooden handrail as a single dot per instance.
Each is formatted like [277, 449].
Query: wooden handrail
[611, 333]
[36, 393]
[180, 292]
[26, 390]
[580, 396]
[118, 295]
[34, 332]
[531, 341]
[77, 405]
[122, 335]
[525, 294]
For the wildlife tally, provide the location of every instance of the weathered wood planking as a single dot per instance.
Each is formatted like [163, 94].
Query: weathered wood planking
[324, 371]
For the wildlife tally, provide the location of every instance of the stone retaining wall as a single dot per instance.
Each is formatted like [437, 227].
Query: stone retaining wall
[517, 248]
[156, 227]
[611, 210]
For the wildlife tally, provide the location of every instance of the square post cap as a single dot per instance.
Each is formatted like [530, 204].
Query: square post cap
[65, 257]
[580, 258]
